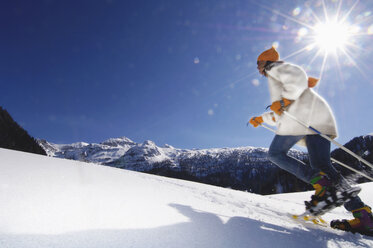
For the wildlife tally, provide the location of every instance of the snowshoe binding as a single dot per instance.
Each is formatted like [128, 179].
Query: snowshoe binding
[362, 223]
[326, 196]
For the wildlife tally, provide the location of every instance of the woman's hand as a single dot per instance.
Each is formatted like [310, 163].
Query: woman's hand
[279, 106]
[256, 121]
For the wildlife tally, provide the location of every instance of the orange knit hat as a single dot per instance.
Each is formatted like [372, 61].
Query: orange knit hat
[272, 55]
[269, 55]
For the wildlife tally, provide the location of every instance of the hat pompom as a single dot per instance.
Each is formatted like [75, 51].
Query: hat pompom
[312, 82]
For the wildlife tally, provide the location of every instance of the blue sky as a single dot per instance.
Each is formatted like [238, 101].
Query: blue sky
[176, 72]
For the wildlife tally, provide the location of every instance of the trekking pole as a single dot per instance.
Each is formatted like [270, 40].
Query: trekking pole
[270, 129]
[330, 139]
[332, 159]
[354, 170]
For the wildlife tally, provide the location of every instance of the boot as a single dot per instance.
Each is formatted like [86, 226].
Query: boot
[362, 223]
[327, 196]
[323, 189]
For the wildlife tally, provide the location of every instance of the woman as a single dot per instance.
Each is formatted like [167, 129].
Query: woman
[290, 90]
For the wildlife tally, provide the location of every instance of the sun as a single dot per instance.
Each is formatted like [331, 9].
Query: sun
[327, 34]
[332, 36]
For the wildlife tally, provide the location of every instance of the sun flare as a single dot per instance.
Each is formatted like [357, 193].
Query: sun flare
[329, 30]
[332, 36]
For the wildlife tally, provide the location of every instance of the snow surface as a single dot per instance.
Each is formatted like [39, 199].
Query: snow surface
[50, 202]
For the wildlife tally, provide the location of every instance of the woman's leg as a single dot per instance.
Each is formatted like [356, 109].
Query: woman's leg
[277, 154]
[319, 155]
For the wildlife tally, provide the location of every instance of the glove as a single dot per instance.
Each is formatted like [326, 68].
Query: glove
[256, 121]
[279, 106]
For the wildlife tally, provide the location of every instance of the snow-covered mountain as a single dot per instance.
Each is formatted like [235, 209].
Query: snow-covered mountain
[243, 168]
[59, 203]
[239, 168]
[104, 152]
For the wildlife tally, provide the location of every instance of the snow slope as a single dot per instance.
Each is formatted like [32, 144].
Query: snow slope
[49, 202]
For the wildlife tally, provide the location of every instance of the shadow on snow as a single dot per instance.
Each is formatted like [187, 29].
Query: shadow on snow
[203, 230]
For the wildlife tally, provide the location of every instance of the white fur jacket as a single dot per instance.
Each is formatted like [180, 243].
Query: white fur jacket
[291, 82]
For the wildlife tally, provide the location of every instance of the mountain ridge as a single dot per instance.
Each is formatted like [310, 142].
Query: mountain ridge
[238, 168]
[242, 168]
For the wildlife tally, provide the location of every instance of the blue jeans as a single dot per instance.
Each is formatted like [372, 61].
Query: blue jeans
[319, 158]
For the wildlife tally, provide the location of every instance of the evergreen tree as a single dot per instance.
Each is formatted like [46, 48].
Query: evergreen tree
[13, 136]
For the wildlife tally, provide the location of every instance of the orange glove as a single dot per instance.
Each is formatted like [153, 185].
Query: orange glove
[279, 106]
[256, 121]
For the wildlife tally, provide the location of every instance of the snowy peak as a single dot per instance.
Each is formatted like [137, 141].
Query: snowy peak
[168, 146]
[122, 141]
[104, 152]
[108, 151]
[149, 143]
[239, 168]
[79, 145]
[142, 157]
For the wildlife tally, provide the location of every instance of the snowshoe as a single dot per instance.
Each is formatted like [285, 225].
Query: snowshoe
[305, 218]
[362, 223]
[330, 200]
[326, 196]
